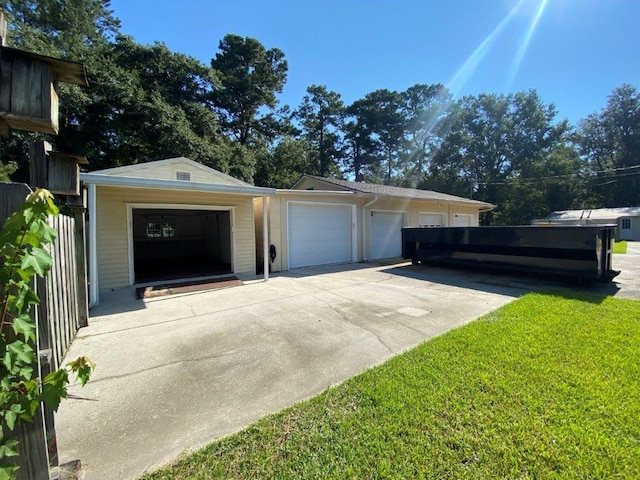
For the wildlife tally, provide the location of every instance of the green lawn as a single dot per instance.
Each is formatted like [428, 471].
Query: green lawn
[620, 247]
[545, 387]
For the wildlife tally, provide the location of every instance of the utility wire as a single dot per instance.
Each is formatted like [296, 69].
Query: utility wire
[569, 175]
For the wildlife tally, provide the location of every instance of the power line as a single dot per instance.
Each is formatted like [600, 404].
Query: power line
[583, 176]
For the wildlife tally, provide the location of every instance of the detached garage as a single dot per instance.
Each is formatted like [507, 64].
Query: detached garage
[168, 220]
[323, 221]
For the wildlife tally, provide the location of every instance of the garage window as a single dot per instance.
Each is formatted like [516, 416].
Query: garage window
[161, 230]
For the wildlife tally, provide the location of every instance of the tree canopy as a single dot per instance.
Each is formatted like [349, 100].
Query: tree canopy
[145, 102]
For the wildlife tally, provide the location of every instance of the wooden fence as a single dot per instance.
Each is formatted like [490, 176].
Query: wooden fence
[62, 311]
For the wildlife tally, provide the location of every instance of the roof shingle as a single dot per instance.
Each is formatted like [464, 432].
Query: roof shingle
[398, 192]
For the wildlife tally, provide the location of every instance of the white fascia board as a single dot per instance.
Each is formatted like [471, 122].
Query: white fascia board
[117, 181]
[302, 193]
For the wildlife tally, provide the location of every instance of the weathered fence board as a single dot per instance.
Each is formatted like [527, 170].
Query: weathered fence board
[62, 311]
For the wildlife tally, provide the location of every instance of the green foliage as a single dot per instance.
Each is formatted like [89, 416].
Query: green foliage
[320, 116]
[610, 142]
[545, 387]
[620, 247]
[6, 171]
[24, 239]
[145, 102]
[497, 145]
[250, 76]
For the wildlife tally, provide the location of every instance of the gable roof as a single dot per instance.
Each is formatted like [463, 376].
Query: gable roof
[130, 170]
[395, 192]
[126, 177]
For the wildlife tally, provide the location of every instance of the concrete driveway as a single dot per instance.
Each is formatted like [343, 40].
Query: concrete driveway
[175, 373]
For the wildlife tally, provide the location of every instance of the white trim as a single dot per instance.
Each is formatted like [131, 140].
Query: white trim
[116, 181]
[301, 193]
[170, 206]
[265, 240]
[94, 297]
[354, 223]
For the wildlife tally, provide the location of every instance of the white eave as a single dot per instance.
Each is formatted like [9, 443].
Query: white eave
[137, 182]
[287, 191]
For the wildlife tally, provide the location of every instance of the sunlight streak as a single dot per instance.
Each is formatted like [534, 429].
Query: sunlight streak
[461, 77]
[526, 39]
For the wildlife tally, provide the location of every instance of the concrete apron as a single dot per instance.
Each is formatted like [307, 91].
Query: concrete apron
[175, 373]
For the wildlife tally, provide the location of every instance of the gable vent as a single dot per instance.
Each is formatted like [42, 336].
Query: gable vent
[183, 176]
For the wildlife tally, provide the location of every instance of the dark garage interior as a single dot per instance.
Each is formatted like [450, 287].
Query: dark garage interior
[170, 244]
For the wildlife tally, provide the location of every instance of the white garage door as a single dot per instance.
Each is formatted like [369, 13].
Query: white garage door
[320, 234]
[431, 220]
[462, 220]
[386, 234]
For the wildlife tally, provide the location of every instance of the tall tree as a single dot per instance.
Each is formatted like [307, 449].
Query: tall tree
[250, 76]
[78, 30]
[320, 116]
[610, 142]
[143, 102]
[493, 141]
[361, 149]
[380, 115]
[425, 106]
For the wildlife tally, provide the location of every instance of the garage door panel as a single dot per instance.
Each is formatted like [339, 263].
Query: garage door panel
[386, 234]
[431, 220]
[319, 234]
[462, 220]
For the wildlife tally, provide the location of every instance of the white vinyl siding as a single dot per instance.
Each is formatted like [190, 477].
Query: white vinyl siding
[386, 234]
[164, 170]
[319, 234]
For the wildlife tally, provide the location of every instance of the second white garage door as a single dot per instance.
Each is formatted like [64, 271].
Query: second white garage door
[320, 234]
[386, 234]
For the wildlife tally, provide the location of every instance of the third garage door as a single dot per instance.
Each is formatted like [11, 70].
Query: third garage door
[386, 234]
[320, 234]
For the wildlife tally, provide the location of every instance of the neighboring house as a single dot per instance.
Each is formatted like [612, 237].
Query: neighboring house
[168, 219]
[627, 220]
[177, 218]
[326, 221]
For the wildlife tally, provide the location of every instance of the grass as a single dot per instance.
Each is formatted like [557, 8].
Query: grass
[620, 247]
[545, 387]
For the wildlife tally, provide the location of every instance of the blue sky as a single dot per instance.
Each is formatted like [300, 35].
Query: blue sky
[573, 52]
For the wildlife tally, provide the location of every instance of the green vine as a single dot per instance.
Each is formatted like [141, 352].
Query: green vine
[24, 239]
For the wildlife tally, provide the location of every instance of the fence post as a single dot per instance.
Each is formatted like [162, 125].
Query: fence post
[78, 207]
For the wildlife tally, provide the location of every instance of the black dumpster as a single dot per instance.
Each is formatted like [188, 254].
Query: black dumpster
[582, 252]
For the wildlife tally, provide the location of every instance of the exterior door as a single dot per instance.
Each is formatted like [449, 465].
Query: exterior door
[626, 231]
[386, 234]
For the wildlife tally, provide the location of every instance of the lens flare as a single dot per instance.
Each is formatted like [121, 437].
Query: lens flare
[526, 39]
[461, 77]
